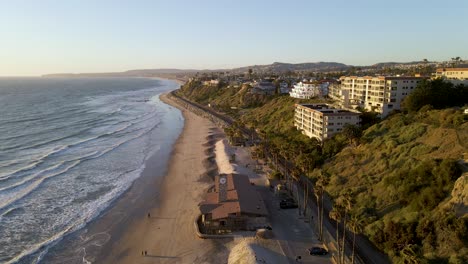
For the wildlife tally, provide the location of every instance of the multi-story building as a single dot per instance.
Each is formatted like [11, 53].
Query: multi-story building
[307, 90]
[322, 121]
[380, 94]
[341, 96]
[452, 73]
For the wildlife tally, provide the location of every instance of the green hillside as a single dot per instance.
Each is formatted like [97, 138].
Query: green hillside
[398, 176]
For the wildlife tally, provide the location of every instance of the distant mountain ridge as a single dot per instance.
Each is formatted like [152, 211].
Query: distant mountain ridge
[390, 64]
[276, 67]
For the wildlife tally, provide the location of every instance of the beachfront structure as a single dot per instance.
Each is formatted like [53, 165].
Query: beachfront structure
[322, 121]
[452, 73]
[233, 205]
[380, 94]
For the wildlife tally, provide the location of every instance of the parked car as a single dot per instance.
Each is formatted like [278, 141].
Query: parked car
[288, 203]
[317, 251]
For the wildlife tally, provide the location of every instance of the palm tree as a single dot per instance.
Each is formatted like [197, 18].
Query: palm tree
[345, 202]
[455, 61]
[356, 226]
[319, 192]
[336, 215]
[324, 179]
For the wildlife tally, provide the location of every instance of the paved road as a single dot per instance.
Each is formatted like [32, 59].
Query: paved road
[291, 232]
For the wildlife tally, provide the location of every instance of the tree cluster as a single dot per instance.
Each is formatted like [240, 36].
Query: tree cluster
[438, 93]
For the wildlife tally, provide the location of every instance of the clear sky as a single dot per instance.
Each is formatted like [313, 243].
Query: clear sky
[47, 36]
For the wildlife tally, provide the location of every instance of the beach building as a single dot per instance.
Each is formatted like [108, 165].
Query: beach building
[233, 205]
[380, 94]
[322, 121]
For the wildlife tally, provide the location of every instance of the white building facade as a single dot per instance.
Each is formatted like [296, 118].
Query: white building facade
[322, 121]
[379, 94]
[305, 90]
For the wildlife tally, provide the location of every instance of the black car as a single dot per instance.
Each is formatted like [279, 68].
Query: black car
[288, 203]
[317, 251]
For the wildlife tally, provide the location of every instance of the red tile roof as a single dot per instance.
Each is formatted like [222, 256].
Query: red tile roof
[241, 198]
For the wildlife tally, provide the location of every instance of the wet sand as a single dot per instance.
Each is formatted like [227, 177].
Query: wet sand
[168, 235]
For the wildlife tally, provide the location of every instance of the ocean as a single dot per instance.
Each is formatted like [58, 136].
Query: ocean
[68, 149]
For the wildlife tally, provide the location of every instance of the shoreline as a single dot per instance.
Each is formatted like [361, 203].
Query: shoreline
[91, 241]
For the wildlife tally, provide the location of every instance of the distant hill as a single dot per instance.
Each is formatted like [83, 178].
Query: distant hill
[279, 67]
[391, 64]
[276, 67]
[130, 73]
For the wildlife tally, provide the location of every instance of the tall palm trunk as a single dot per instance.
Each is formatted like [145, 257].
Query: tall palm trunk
[306, 196]
[344, 237]
[354, 244]
[321, 216]
[318, 213]
[338, 240]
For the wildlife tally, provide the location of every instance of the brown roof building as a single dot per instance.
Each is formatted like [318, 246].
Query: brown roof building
[233, 205]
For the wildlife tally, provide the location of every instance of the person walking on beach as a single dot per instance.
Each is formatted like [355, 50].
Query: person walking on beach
[149, 215]
[146, 253]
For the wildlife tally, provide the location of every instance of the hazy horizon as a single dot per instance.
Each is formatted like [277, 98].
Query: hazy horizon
[112, 36]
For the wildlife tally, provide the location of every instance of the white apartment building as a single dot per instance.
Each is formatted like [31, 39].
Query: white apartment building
[211, 82]
[305, 90]
[380, 94]
[452, 73]
[322, 121]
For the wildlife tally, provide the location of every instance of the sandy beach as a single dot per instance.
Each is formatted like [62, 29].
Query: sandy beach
[168, 235]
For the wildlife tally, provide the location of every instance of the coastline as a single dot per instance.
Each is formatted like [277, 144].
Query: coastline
[168, 235]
